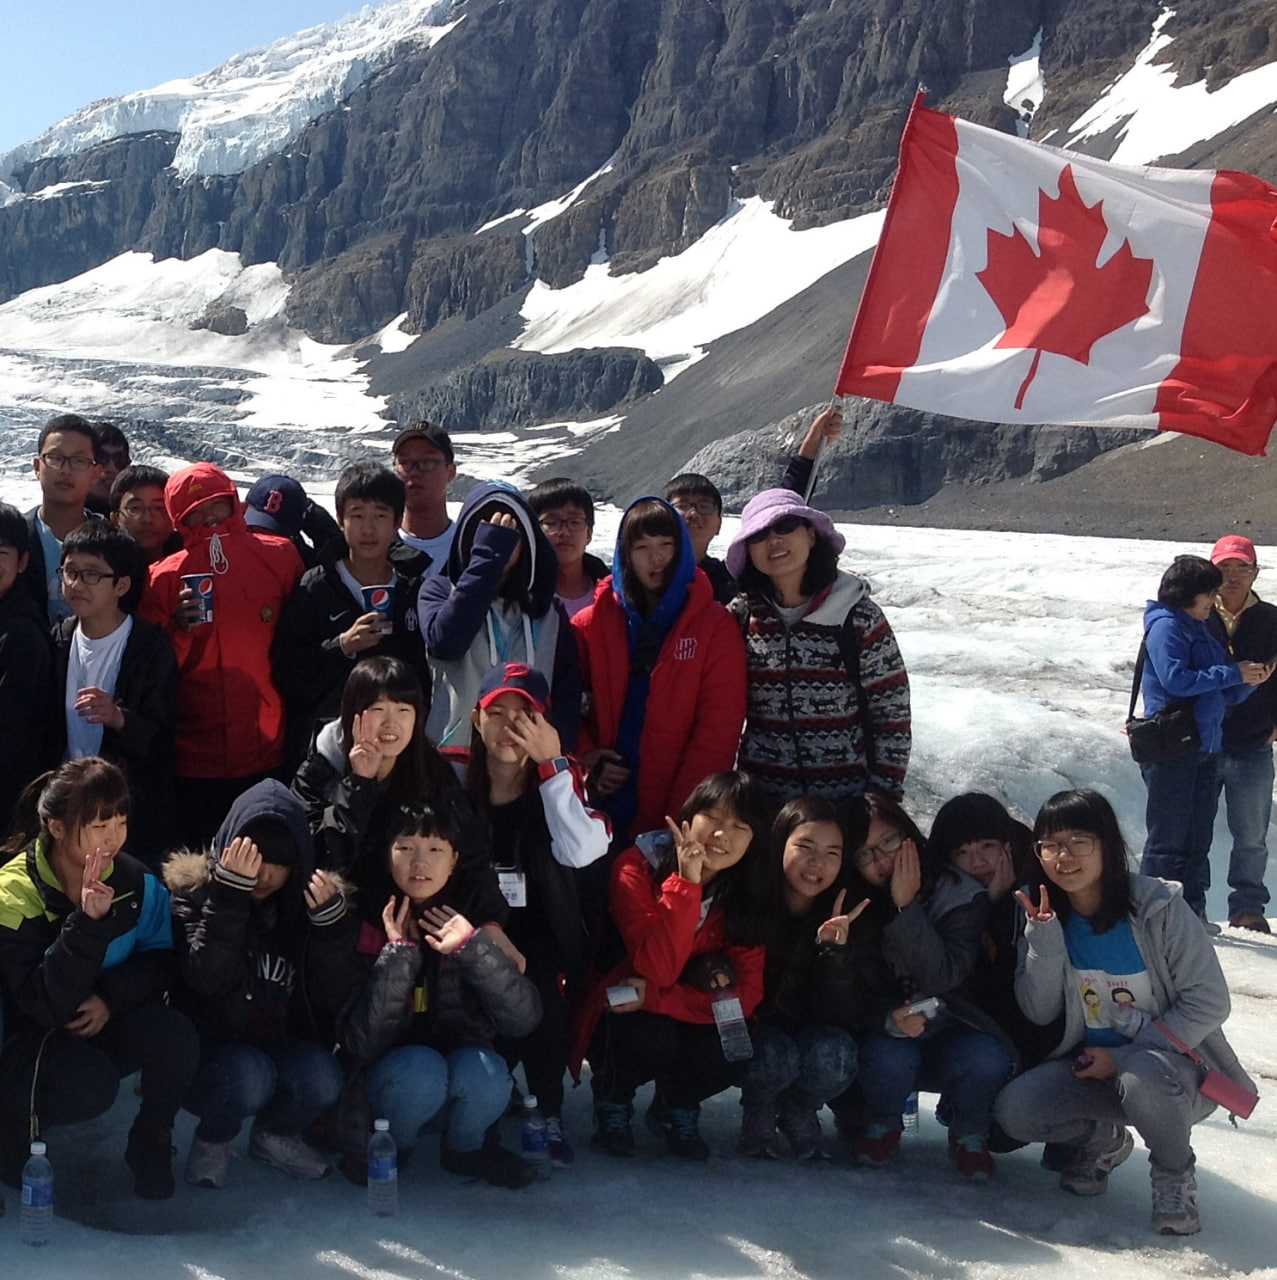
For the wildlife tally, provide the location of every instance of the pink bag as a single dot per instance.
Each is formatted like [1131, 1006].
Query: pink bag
[1215, 1085]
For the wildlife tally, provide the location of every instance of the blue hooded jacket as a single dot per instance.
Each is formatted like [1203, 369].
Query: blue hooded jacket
[1186, 661]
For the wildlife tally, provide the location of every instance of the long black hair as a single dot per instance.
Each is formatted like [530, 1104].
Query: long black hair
[733, 890]
[771, 880]
[1087, 810]
[820, 571]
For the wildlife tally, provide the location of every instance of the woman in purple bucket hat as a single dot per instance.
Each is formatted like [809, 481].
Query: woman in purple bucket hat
[828, 703]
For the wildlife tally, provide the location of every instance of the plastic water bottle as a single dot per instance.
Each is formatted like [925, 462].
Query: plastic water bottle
[37, 1197]
[733, 1034]
[909, 1118]
[383, 1172]
[534, 1138]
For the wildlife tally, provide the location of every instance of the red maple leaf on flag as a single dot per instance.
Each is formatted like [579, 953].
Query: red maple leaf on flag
[1057, 299]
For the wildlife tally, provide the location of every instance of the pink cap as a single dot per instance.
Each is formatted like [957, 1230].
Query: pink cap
[1233, 547]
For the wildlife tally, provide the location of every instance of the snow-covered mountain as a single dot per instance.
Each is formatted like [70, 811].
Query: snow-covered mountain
[252, 105]
[255, 262]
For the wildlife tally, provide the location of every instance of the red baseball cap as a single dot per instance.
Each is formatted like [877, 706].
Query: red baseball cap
[1233, 547]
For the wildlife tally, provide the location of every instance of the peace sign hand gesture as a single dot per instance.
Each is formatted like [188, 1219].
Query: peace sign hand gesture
[837, 929]
[1041, 913]
[691, 853]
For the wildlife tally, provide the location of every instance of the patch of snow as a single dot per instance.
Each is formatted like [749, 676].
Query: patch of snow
[744, 266]
[56, 189]
[1025, 85]
[392, 338]
[257, 102]
[1154, 118]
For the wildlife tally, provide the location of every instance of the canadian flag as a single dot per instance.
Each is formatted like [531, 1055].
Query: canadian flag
[1015, 282]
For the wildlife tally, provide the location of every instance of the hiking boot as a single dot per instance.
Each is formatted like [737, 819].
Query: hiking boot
[492, 1162]
[561, 1153]
[680, 1127]
[801, 1128]
[207, 1163]
[613, 1133]
[1175, 1203]
[971, 1155]
[289, 1152]
[1210, 926]
[876, 1145]
[1088, 1172]
[1252, 920]
[758, 1135]
[149, 1154]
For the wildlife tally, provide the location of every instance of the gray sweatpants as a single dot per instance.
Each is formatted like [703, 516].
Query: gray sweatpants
[1154, 1091]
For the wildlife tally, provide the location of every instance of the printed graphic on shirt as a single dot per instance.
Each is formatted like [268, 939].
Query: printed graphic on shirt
[1105, 996]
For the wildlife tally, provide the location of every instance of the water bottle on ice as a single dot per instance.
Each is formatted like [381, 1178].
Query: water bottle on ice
[733, 1034]
[534, 1138]
[383, 1172]
[37, 1197]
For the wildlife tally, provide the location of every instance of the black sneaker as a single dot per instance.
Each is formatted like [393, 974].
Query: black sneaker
[150, 1155]
[492, 1162]
[680, 1127]
[613, 1134]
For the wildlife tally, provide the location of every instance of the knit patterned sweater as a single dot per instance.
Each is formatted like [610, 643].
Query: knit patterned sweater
[803, 731]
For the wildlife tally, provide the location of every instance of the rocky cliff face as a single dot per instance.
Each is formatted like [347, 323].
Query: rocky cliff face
[374, 210]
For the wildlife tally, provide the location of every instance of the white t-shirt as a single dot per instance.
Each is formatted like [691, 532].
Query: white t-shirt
[93, 663]
[436, 548]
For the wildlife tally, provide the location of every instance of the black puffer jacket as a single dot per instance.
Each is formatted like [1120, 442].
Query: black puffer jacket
[398, 993]
[307, 661]
[250, 968]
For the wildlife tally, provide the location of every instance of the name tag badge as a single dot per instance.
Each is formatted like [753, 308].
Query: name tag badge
[514, 887]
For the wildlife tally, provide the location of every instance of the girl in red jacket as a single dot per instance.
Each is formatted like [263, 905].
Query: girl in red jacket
[662, 673]
[681, 903]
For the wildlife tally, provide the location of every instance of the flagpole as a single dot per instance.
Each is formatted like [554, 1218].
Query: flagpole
[835, 403]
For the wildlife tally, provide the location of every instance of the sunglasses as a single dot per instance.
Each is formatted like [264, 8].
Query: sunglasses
[790, 524]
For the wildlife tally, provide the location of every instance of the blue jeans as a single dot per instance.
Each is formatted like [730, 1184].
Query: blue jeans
[967, 1066]
[285, 1086]
[1247, 783]
[810, 1067]
[462, 1093]
[1180, 820]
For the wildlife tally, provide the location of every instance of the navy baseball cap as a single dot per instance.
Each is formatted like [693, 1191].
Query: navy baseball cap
[277, 504]
[515, 677]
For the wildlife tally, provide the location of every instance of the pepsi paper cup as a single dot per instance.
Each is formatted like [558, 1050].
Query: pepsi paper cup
[381, 600]
[202, 585]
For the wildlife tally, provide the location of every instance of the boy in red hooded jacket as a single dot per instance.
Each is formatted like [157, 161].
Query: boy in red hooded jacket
[230, 716]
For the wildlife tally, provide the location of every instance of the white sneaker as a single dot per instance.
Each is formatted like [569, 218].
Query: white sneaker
[1175, 1204]
[289, 1152]
[1087, 1174]
[208, 1163]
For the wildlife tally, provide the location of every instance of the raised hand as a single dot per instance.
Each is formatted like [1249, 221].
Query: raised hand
[1003, 876]
[691, 853]
[365, 751]
[1040, 913]
[535, 736]
[242, 857]
[95, 896]
[446, 929]
[826, 427]
[906, 875]
[320, 890]
[837, 929]
[98, 707]
[398, 921]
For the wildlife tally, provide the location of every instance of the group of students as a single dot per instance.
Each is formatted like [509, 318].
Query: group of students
[456, 798]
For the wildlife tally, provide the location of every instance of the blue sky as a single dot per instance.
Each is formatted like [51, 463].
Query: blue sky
[57, 55]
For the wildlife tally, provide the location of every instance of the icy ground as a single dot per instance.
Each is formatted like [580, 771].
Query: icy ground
[1019, 649]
